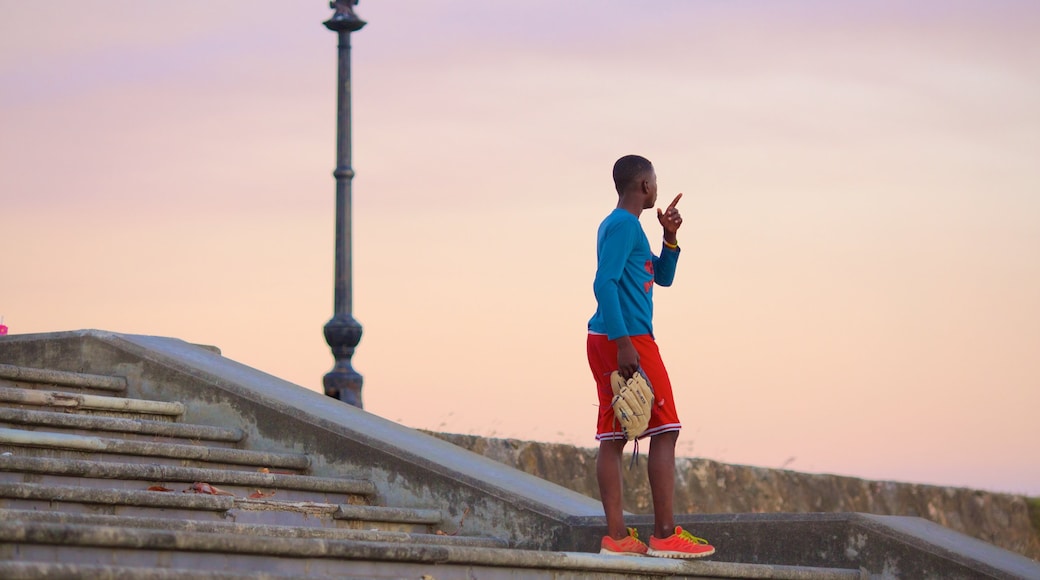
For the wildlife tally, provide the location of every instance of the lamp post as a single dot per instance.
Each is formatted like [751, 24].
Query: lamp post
[342, 332]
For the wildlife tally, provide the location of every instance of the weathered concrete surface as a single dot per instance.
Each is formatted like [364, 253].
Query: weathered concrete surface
[710, 487]
[62, 378]
[32, 468]
[408, 468]
[96, 423]
[326, 557]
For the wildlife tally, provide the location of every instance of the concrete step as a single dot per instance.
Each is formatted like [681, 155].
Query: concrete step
[408, 519]
[115, 498]
[37, 570]
[77, 401]
[88, 446]
[117, 501]
[142, 427]
[275, 531]
[183, 503]
[39, 545]
[33, 377]
[290, 487]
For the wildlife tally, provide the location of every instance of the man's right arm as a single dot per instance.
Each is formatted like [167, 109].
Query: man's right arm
[627, 357]
[613, 253]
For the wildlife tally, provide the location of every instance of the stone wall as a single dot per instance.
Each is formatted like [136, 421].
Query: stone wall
[706, 486]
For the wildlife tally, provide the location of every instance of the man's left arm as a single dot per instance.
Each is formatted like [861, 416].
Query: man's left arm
[664, 266]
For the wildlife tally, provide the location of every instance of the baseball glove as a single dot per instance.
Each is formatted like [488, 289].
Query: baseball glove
[632, 402]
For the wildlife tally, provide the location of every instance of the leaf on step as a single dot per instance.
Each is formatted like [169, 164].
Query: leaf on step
[202, 487]
[159, 488]
[269, 470]
[260, 495]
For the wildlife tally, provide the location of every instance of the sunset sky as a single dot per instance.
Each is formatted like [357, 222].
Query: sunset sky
[859, 289]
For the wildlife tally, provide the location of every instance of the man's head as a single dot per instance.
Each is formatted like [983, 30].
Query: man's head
[635, 175]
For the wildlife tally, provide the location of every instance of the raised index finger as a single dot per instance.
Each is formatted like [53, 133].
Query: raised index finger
[675, 201]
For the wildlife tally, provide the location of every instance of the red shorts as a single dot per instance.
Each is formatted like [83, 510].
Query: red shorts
[603, 362]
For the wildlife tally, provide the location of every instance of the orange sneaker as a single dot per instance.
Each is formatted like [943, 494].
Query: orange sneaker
[630, 546]
[681, 544]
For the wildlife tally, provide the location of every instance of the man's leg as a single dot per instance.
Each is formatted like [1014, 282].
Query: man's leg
[608, 474]
[661, 472]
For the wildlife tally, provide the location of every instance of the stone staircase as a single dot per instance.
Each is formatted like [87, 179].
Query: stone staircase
[82, 465]
[142, 457]
[94, 483]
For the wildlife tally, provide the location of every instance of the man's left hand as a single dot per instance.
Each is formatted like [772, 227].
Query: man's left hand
[670, 220]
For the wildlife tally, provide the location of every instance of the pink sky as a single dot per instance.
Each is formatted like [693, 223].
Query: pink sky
[859, 291]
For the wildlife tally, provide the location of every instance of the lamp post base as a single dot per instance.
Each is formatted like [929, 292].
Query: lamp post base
[343, 334]
[345, 385]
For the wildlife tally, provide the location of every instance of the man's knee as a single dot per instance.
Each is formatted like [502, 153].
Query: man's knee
[612, 446]
[667, 438]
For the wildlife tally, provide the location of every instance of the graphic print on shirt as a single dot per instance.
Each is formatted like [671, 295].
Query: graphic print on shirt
[649, 284]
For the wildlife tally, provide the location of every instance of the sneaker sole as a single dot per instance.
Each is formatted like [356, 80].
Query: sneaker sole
[677, 555]
[606, 552]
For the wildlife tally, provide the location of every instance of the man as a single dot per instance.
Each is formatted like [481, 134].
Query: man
[621, 338]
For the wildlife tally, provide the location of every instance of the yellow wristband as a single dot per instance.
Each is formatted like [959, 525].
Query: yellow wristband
[674, 246]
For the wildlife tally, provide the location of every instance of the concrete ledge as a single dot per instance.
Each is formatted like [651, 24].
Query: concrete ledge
[887, 546]
[20, 532]
[909, 540]
[120, 425]
[172, 473]
[62, 378]
[89, 402]
[86, 443]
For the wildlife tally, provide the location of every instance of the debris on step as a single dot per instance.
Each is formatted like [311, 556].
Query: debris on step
[458, 529]
[202, 487]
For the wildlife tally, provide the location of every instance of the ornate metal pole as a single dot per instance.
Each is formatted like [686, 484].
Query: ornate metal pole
[342, 332]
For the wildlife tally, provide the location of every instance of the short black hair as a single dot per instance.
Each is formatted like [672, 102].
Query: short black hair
[627, 169]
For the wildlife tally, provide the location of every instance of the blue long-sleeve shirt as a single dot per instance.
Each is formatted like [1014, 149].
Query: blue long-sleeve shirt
[626, 272]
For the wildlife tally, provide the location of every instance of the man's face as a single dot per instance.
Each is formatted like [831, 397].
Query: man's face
[651, 190]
